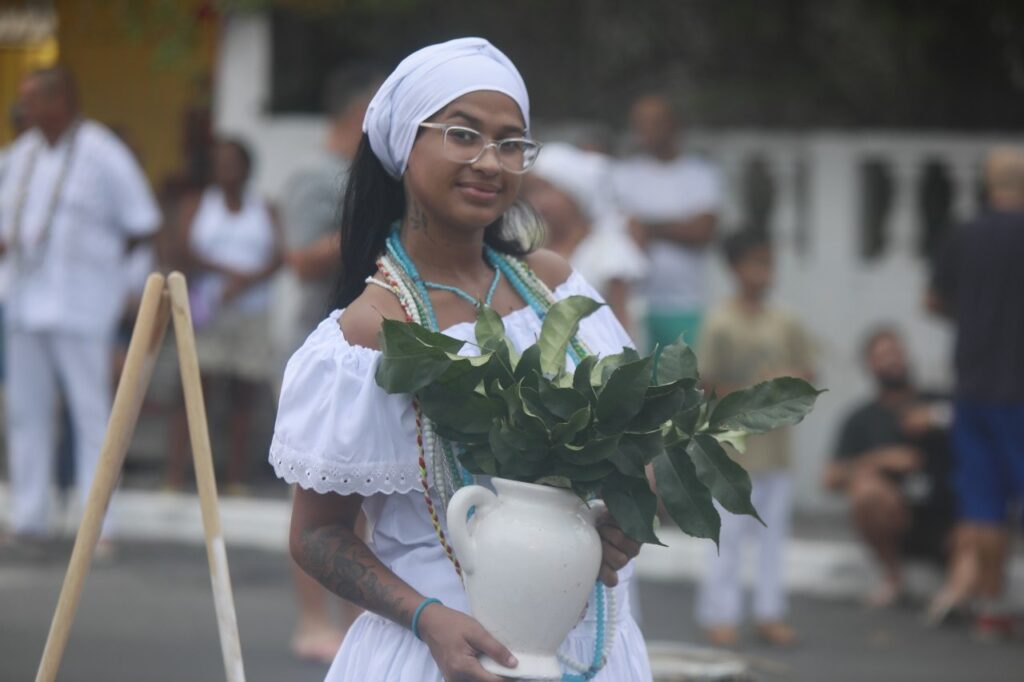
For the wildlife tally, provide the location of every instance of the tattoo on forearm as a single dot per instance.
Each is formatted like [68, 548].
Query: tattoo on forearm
[339, 560]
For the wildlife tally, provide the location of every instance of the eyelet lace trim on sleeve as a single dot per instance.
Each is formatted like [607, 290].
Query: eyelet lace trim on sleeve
[356, 479]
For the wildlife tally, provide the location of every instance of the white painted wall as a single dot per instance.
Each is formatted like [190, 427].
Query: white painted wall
[281, 144]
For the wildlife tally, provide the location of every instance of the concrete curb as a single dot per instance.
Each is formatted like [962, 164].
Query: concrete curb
[819, 568]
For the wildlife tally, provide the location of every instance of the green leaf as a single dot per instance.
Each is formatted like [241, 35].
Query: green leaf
[462, 375]
[422, 334]
[500, 365]
[636, 450]
[622, 397]
[728, 482]
[555, 482]
[564, 433]
[765, 406]
[590, 473]
[528, 367]
[535, 407]
[467, 411]
[676, 361]
[660, 404]
[503, 445]
[686, 499]
[561, 324]
[633, 506]
[561, 402]
[530, 427]
[672, 435]
[688, 418]
[522, 469]
[408, 361]
[737, 439]
[592, 452]
[581, 378]
[456, 436]
[479, 459]
[531, 446]
[609, 363]
[490, 330]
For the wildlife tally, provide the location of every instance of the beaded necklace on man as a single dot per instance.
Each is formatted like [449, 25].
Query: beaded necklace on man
[401, 278]
[21, 197]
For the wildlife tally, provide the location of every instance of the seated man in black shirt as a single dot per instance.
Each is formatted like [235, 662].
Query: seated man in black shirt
[893, 463]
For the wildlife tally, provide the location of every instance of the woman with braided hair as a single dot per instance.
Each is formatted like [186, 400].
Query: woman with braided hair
[430, 229]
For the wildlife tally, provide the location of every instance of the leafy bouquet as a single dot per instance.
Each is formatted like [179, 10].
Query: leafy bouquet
[594, 430]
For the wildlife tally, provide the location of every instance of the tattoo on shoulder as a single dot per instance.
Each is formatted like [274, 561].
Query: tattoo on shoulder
[341, 562]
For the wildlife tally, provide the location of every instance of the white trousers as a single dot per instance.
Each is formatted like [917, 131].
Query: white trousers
[40, 367]
[720, 593]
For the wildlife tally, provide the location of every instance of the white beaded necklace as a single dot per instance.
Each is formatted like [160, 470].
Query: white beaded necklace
[58, 189]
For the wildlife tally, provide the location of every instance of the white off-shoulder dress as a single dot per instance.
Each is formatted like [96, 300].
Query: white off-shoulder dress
[338, 432]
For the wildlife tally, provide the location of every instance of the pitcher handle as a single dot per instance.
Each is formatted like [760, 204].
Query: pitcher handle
[595, 509]
[462, 501]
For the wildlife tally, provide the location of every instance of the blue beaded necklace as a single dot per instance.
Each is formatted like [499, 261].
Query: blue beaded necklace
[395, 248]
[463, 295]
[502, 267]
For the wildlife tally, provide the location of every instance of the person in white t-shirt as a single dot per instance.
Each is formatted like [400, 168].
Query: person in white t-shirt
[72, 204]
[674, 199]
[232, 239]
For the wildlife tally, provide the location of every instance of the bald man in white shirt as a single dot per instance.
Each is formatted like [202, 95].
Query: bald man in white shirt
[674, 199]
[73, 201]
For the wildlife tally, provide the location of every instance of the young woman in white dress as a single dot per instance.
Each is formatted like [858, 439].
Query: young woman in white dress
[430, 215]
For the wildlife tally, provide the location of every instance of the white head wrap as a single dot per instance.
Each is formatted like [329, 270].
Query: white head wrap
[424, 83]
[583, 175]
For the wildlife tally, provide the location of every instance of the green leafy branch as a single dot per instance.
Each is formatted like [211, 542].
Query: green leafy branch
[596, 429]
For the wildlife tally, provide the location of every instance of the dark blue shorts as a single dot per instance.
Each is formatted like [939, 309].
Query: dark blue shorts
[988, 441]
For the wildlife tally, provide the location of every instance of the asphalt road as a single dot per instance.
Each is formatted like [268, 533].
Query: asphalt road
[148, 615]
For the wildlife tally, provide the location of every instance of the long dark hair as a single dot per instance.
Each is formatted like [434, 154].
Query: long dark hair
[372, 203]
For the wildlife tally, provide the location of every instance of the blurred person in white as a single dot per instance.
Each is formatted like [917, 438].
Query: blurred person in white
[569, 188]
[73, 203]
[309, 217]
[18, 125]
[893, 463]
[233, 244]
[748, 339]
[674, 199]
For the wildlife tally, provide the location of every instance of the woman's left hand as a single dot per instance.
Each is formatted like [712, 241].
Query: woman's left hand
[617, 549]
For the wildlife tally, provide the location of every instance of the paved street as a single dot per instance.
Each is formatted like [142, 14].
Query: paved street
[148, 615]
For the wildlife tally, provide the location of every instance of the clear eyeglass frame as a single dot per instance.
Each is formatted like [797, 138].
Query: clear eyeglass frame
[530, 148]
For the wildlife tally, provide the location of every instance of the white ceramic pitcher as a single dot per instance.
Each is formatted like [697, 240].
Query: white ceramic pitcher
[530, 556]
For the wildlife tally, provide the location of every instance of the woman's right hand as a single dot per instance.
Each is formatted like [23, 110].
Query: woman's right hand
[455, 640]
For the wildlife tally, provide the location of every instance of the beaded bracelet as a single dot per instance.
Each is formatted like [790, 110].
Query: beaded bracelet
[416, 615]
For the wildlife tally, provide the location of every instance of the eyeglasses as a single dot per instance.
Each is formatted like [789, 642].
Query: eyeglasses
[465, 145]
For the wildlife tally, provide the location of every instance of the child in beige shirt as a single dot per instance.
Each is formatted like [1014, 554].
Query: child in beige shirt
[747, 340]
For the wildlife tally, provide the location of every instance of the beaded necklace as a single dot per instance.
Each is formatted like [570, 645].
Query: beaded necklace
[401, 278]
[22, 196]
